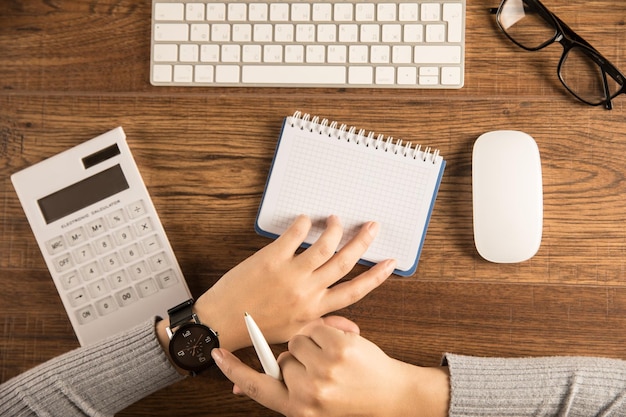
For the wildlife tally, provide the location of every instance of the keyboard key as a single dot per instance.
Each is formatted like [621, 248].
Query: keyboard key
[91, 271]
[194, 11]
[361, 75]
[56, 245]
[131, 253]
[227, 73]
[118, 279]
[116, 218]
[450, 75]
[126, 297]
[159, 262]
[427, 54]
[83, 254]
[137, 209]
[139, 270]
[86, 314]
[70, 280]
[63, 263]
[453, 14]
[143, 227]
[147, 288]
[105, 306]
[103, 244]
[171, 32]
[78, 297]
[203, 74]
[98, 289]
[76, 236]
[291, 74]
[162, 73]
[430, 12]
[166, 279]
[183, 73]
[169, 11]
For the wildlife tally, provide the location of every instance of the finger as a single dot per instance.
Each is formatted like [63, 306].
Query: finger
[292, 238]
[304, 349]
[345, 259]
[324, 248]
[337, 322]
[342, 323]
[262, 388]
[349, 292]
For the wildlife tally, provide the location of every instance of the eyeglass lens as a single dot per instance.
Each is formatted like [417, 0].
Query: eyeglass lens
[525, 26]
[532, 27]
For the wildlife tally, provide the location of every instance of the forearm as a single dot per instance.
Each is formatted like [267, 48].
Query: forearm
[101, 379]
[536, 386]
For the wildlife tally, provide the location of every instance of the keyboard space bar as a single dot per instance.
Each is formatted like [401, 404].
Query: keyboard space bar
[293, 74]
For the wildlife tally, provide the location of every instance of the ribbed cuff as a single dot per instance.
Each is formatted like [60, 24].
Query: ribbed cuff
[101, 379]
[550, 386]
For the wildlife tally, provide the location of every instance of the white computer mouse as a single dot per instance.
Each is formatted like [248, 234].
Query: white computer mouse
[507, 196]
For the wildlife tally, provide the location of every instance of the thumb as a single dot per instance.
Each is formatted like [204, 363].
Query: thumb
[262, 388]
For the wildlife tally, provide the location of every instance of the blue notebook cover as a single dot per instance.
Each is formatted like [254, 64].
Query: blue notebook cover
[322, 168]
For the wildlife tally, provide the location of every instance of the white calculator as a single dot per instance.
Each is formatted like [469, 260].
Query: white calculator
[101, 237]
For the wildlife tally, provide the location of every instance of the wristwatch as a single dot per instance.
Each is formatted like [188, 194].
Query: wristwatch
[191, 341]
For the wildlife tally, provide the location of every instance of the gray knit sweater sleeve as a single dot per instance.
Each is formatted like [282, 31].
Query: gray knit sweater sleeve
[98, 380]
[551, 386]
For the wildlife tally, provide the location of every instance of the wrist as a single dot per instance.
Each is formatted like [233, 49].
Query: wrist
[426, 391]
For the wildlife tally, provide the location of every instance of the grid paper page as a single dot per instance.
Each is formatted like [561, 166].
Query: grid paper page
[320, 174]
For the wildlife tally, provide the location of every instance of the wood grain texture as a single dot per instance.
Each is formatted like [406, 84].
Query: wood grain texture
[70, 70]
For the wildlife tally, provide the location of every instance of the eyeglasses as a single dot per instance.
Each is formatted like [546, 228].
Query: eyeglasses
[585, 73]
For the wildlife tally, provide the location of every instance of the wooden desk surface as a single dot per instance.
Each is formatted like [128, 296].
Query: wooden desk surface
[70, 70]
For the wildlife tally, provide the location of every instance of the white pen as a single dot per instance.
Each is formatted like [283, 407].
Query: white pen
[263, 351]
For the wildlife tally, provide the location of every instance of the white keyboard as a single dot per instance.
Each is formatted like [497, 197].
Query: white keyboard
[377, 44]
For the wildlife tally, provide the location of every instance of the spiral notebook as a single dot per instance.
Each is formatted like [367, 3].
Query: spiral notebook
[322, 168]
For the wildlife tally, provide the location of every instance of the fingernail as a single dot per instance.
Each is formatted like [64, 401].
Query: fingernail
[373, 228]
[217, 356]
[237, 390]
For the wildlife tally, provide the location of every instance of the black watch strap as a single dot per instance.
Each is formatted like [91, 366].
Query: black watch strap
[181, 314]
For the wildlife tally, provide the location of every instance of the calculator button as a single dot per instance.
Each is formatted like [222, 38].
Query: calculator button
[78, 297]
[139, 270]
[103, 244]
[76, 236]
[91, 271]
[147, 288]
[118, 279]
[56, 245]
[63, 263]
[83, 254]
[126, 297]
[86, 314]
[111, 262]
[96, 227]
[71, 280]
[131, 253]
[166, 278]
[106, 305]
[144, 227]
[116, 219]
[123, 236]
[159, 262]
[98, 289]
[137, 209]
[151, 244]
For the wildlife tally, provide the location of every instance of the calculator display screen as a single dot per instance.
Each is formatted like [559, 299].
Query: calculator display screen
[83, 193]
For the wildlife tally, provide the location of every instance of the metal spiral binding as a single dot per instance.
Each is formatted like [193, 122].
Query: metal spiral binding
[313, 124]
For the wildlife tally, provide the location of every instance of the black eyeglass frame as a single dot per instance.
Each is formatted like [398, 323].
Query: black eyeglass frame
[569, 40]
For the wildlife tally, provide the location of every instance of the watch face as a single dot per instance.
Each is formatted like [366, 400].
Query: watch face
[191, 346]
